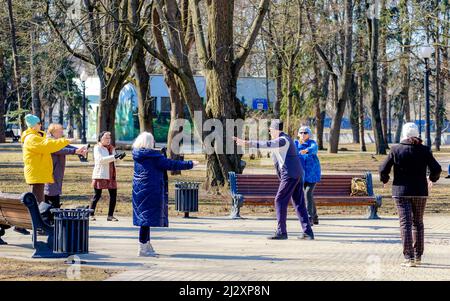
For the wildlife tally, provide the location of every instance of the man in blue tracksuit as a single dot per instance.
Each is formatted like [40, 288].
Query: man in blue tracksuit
[290, 172]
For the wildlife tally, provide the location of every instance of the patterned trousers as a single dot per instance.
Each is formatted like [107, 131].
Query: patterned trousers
[410, 212]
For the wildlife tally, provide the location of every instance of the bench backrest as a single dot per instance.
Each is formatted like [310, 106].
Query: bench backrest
[13, 212]
[330, 185]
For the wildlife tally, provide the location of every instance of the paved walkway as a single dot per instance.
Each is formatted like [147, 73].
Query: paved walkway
[217, 248]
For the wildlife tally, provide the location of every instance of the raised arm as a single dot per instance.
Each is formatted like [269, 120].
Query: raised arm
[275, 143]
[169, 164]
[39, 145]
[102, 159]
[68, 150]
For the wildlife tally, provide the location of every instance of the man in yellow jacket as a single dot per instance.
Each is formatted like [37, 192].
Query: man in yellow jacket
[37, 159]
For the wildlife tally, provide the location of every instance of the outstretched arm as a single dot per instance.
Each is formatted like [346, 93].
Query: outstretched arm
[169, 164]
[275, 143]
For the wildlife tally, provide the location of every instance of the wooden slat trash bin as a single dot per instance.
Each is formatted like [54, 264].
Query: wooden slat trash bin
[186, 197]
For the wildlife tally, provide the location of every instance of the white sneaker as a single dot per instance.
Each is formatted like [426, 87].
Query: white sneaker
[410, 263]
[146, 250]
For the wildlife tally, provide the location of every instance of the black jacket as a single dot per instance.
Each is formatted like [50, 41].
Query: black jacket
[410, 160]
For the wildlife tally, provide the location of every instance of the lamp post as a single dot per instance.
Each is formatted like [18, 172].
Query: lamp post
[420, 116]
[83, 78]
[390, 121]
[426, 53]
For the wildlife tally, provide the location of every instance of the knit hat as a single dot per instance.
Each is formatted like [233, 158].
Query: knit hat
[276, 124]
[409, 130]
[31, 120]
[304, 129]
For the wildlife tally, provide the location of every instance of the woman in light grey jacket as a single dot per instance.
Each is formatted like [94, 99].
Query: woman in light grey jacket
[104, 173]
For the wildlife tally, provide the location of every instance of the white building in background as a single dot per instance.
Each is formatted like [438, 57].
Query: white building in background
[254, 92]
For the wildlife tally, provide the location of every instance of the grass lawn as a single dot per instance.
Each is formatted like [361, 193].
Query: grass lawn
[77, 182]
[77, 191]
[20, 270]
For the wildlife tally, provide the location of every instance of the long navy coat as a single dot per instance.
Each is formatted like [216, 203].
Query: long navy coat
[148, 186]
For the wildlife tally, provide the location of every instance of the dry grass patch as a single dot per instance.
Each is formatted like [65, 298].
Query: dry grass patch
[24, 270]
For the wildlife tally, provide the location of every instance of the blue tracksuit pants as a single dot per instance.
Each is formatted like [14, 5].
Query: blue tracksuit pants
[291, 188]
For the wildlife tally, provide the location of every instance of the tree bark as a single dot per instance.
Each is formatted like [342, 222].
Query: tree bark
[16, 67]
[279, 82]
[362, 139]
[61, 111]
[3, 91]
[145, 115]
[34, 77]
[380, 146]
[354, 113]
[405, 58]
[439, 109]
[221, 68]
[384, 75]
[344, 83]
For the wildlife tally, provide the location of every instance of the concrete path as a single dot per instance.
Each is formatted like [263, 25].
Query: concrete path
[217, 248]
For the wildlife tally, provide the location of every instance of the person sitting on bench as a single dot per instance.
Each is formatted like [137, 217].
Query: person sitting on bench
[290, 172]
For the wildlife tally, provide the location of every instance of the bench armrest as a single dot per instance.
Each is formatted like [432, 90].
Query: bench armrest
[233, 182]
[29, 200]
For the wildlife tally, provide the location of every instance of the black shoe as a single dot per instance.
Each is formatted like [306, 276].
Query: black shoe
[41, 232]
[278, 236]
[22, 231]
[315, 221]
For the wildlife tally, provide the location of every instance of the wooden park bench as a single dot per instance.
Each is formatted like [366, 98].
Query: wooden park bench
[332, 190]
[23, 211]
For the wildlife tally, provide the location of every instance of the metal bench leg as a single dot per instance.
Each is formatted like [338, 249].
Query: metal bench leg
[236, 208]
[2, 232]
[373, 210]
[45, 249]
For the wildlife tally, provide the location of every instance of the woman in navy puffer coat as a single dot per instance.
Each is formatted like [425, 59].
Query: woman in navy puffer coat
[148, 188]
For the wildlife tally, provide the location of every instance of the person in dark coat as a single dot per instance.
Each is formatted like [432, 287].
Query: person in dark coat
[410, 160]
[290, 172]
[53, 191]
[149, 189]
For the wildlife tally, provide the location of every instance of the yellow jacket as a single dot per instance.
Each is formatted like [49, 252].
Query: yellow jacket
[37, 159]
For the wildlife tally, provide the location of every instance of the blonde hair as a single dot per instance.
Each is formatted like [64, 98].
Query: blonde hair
[53, 127]
[144, 140]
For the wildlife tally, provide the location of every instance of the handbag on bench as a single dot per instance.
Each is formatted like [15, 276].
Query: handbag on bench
[359, 187]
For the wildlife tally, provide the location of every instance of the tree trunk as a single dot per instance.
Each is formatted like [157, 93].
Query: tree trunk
[319, 108]
[384, 76]
[176, 112]
[354, 114]
[3, 91]
[50, 113]
[439, 109]
[70, 126]
[61, 111]
[143, 93]
[400, 117]
[323, 104]
[380, 146]
[405, 58]
[109, 98]
[362, 139]
[289, 91]
[344, 85]
[279, 82]
[35, 100]
[16, 67]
